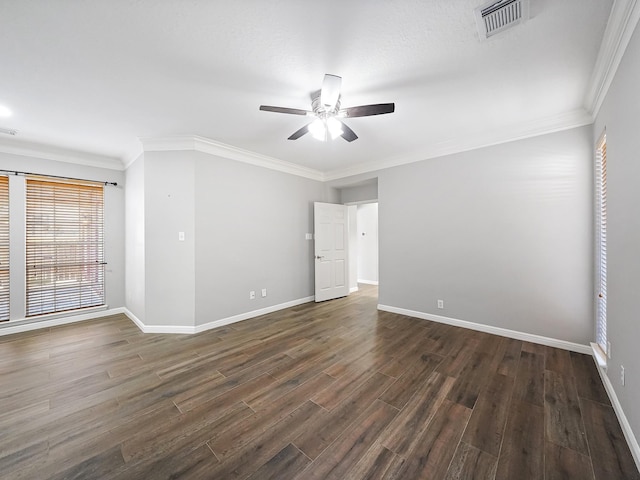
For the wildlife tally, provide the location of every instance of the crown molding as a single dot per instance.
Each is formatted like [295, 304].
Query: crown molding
[620, 27]
[211, 147]
[58, 154]
[557, 123]
[131, 156]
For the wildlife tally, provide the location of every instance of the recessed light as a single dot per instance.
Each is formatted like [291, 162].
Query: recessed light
[5, 112]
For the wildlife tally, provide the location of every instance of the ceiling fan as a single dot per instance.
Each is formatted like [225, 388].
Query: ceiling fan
[325, 106]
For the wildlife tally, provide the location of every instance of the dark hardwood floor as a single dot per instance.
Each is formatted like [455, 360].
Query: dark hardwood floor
[335, 390]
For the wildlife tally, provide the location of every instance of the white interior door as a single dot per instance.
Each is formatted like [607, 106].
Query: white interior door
[331, 251]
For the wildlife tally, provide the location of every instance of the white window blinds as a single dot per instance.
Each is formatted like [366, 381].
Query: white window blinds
[4, 248]
[65, 246]
[601, 243]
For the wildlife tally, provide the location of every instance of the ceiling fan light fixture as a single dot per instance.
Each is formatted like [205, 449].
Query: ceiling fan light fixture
[318, 130]
[324, 128]
[334, 127]
[326, 106]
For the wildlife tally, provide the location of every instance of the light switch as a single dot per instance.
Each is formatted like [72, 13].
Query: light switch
[181, 236]
[308, 236]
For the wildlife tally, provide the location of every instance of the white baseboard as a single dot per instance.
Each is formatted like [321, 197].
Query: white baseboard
[186, 329]
[156, 328]
[617, 407]
[252, 314]
[368, 282]
[599, 357]
[503, 332]
[25, 325]
[36, 323]
[353, 289]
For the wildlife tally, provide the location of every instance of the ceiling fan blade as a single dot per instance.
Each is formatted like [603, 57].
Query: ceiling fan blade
[368, 110]
[348, 134]
[292, 111]
[297, 134]
[330, 92]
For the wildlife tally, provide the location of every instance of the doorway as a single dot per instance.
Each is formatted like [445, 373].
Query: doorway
[363, 245]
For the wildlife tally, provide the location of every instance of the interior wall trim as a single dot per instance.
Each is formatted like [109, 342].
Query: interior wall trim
[181, 329]
[620, 27]
[177, 329]
[49, 152]
[503, 332]
[211, 147]
[30, 324]
[617, 407]
[543, 126]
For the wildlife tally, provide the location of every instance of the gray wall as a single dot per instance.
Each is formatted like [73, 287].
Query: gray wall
[244, 230]
[359, 193]
[134, 239]
[113, 224]
[502, 234]
[250, 234]
[620, 114]
[169, 191]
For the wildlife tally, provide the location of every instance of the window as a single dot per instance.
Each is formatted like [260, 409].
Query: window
[65, 245]
[601, 243]
[4, 248]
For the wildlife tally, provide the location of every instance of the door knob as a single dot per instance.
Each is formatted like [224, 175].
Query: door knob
[319, 257]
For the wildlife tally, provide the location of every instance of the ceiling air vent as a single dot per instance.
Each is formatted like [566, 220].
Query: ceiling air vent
[497, 16]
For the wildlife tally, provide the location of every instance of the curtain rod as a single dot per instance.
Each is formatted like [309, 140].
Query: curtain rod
[18, 172]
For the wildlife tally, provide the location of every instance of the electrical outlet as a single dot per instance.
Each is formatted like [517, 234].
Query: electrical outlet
[440, 304]
[264, 292]
[608, 349]
[252, 295]
[622, 375]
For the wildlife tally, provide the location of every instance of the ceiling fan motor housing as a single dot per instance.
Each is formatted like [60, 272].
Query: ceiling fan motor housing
[319, 109]
[325, 105]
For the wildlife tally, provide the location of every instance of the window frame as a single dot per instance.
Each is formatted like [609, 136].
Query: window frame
[600, 223]
[64, 237]
[5, 250]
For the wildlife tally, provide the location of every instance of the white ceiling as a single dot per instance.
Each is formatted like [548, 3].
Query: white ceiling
[96, 75]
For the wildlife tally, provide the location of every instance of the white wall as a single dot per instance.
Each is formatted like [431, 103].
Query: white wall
[113, 224]
[503, 234]
[620, 115]
[367, 226]
[352, 216]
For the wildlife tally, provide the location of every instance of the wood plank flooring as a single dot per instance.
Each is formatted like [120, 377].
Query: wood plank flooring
[335, 390]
